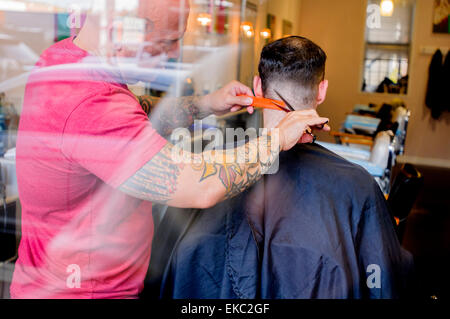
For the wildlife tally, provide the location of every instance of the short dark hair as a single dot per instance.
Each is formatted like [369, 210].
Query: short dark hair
[294, 59]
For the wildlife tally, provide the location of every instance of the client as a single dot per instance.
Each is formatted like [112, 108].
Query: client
[319, 228]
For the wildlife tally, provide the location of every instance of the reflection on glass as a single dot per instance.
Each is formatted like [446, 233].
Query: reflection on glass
[29, 27]
[155, 59]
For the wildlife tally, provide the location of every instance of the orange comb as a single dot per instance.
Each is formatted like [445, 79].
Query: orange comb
[264, 103]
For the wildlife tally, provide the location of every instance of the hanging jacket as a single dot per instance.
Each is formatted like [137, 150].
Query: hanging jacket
[446, 75]
[435, 95]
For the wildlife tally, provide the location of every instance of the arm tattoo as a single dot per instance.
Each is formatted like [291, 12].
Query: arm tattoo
[171, 113]
[148, 103]
[157, 180]
[237, 176]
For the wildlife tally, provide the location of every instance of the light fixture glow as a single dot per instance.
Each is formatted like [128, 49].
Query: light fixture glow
[250, 33]
[387, 8]
[266, 33]
[204, 19]
[246, 26]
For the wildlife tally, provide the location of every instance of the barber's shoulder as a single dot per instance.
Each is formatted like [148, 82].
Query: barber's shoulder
[108, 92]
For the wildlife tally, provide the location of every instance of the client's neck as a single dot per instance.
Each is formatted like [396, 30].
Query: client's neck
[272, 117]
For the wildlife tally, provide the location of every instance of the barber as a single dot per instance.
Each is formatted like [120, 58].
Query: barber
[90, 165]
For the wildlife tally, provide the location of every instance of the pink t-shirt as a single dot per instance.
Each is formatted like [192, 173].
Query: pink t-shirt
[81, 135]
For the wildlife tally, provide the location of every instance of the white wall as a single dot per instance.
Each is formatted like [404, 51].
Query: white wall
[338, 27]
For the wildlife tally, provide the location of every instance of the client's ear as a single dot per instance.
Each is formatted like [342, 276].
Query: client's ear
[257, 86]
[323, 88]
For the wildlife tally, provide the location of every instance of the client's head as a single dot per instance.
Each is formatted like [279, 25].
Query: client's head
[295, 68]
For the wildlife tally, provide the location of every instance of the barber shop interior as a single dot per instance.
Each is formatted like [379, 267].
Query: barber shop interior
[225, 150]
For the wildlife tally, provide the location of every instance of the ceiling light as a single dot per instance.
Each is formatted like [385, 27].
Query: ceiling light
[249, 33]
[246, 26]
[204, 19]
[387, 8]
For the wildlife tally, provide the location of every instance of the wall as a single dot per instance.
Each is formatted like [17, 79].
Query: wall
[282, 9]
[338, 27]
[287, 10]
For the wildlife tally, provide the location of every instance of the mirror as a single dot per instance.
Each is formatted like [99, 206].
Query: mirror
[388, 36]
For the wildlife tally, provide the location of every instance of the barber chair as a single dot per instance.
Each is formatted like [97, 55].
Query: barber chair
[7, 216]
[170, 225]
[362, 125]
[378, 160]
[373, 141]
[8, 239]
[404, 192]
[6, 274]
[361, 129]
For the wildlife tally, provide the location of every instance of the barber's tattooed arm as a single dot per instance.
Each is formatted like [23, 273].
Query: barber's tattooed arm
[148, 103]
[172, 113]
[234, 175]
[168, 114]
[203, 180]
[157, 180]
[207, 179]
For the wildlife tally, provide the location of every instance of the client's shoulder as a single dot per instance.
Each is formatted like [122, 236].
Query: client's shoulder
[313, 163]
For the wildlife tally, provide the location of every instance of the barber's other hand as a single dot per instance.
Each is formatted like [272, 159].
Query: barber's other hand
[228, 99]
[293, 129]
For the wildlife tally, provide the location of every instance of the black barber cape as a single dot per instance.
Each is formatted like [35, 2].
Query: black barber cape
[319, 228]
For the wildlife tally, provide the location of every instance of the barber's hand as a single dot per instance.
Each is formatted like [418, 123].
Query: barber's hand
[228, 99]
[293, 129]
